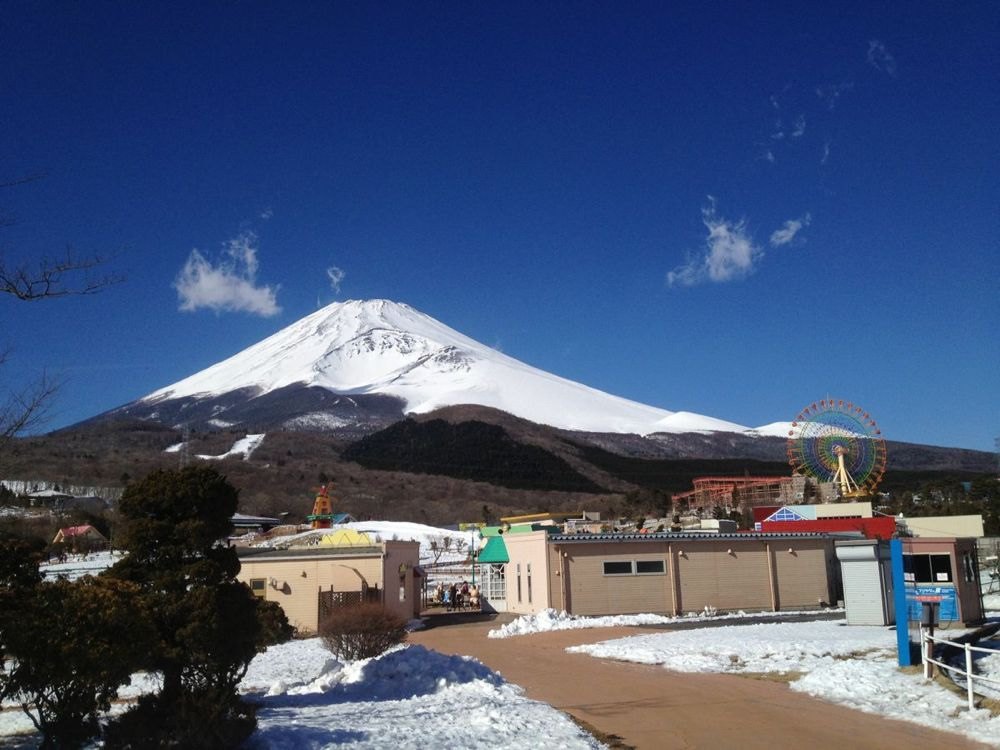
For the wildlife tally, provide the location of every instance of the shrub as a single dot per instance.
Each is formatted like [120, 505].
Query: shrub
[207, 719]
[362, 631]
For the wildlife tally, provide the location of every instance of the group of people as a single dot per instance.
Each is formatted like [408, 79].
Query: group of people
[458, 595]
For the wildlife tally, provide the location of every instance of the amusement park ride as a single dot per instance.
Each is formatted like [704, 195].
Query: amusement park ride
[837, 441]
[322, 515]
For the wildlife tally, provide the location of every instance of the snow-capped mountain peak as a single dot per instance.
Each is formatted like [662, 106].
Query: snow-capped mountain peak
[380, 347]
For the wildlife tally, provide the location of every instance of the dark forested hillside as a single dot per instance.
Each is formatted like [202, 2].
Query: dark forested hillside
[467, 450]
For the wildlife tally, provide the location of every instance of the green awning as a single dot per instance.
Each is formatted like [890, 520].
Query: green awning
[494, 552]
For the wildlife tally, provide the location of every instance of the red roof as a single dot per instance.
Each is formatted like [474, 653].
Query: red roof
[78, 530]
[881, 527]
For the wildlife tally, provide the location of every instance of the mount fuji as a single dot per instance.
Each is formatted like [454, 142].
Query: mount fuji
[365, 364]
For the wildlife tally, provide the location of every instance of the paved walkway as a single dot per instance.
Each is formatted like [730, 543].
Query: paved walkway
[651, 707]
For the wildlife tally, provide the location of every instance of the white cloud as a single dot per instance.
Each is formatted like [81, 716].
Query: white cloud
[229, 285]
[880, 58]
[336, 275]
[267, 213]
[789, 230]
[729, 253]
[826, 153]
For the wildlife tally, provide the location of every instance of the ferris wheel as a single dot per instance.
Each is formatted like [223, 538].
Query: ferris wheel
[838, 441]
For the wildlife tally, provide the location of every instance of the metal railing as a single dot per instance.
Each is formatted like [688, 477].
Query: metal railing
[927, 648]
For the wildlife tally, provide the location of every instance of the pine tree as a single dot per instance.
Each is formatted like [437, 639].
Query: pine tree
[209, 625]
[74, 645]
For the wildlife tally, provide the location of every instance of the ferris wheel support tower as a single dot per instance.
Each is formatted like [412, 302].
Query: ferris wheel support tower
[841, 477]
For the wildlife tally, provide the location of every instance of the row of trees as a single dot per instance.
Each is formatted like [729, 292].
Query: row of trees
[171, 605]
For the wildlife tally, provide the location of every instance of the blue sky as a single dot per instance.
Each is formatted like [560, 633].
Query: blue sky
[724, 208]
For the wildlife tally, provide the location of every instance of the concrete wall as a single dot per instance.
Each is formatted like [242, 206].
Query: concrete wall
[402, 594]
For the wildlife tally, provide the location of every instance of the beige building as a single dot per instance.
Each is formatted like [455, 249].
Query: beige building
[669, 573]
[308, 582]
[945, 526]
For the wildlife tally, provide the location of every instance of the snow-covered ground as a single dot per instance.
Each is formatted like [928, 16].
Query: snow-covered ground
[852, 665]
[409, 697]
[412, 697]
[77, 566]
[549, 619]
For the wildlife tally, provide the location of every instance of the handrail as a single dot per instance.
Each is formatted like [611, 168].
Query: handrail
[927, 649]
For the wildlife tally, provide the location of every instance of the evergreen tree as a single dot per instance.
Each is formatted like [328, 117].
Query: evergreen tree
[18, 578]
[73, 645]
[209, 626]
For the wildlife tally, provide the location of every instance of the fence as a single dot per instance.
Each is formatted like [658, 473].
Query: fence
[971, 677]
[331, 600]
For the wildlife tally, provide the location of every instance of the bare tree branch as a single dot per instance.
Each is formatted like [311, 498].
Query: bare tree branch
[46, 278]
[23, 411]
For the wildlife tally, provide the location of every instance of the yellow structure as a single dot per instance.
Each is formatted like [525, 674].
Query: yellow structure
[347, 538]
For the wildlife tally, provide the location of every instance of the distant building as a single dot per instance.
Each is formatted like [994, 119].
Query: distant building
[81, 538]
[344, 568]
[943, 526]
[668, 573]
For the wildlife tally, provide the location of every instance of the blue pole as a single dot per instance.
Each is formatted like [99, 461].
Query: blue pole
[903, 646]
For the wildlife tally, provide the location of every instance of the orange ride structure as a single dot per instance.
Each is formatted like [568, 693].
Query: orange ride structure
[322, 515]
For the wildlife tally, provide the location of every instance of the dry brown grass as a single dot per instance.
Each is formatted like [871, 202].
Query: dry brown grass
[781, 677]
[612, 741]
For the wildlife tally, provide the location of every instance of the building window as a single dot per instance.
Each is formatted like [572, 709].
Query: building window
[519, 583]
[934, 568]
[969, 566]
[650, 567]
[529, 583]
[259, 587]
[617, 567]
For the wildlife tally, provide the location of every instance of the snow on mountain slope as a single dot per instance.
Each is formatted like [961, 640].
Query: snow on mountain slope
[388, 348]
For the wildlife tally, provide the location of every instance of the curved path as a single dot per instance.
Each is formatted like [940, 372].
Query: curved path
[651, 707]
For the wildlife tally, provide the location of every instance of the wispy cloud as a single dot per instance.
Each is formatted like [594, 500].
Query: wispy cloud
[229, 285]
[825, 157]
[830, 93]
[729, 253]
[789, 230]
[336, 276]
[267, 213]
[799, 127]
[880, 58]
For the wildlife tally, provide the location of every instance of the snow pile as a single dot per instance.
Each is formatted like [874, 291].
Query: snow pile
[550, 619]
[409, 697]
[770, 647]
